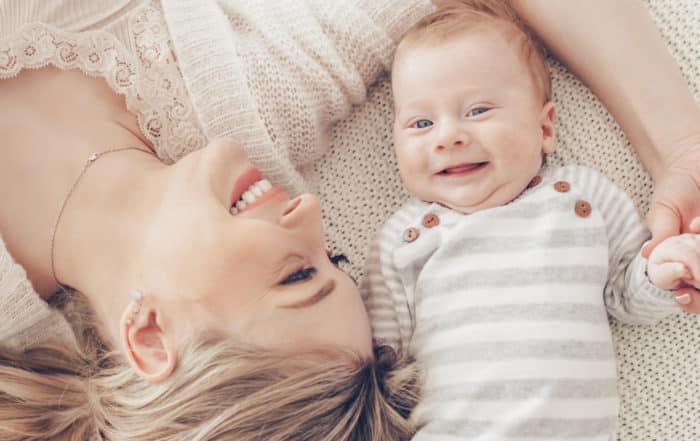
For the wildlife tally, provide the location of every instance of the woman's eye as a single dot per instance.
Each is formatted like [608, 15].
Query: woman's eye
[477, 111]
[337, 258]
[299, 275]
[422, 123]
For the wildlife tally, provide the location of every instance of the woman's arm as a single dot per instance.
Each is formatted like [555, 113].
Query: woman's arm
[617, 50]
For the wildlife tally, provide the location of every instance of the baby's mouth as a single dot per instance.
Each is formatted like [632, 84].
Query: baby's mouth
[463, 168]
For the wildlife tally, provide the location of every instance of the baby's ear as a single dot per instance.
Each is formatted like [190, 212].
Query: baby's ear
[549, 138]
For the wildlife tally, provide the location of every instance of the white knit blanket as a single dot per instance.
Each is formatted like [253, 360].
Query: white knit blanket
[659, 367]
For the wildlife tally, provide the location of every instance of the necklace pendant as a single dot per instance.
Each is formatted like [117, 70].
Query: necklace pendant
[92, 157]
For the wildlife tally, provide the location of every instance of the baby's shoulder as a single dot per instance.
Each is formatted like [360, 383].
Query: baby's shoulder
[584, 177]
[403, 217]
[572, 172]
[409, 210]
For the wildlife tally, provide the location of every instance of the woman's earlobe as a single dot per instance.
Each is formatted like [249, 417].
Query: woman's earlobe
[147, 348]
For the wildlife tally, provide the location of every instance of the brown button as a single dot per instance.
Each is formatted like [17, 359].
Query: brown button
[562, 186]
[583, 208]
[535, 181]
[410, 234]
[431, 220]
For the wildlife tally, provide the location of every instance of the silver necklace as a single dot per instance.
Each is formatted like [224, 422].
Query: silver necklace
[90, 160]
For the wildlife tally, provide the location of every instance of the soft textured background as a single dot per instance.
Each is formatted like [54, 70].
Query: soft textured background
[659, 367]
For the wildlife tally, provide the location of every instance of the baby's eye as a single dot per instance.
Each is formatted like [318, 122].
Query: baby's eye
[422, 123]
[299, 276]
[477, 111]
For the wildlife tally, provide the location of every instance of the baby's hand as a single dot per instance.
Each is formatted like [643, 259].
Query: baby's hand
[675, 262]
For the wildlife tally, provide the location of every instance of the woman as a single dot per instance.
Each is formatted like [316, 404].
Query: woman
[173, 241]
[258, 320]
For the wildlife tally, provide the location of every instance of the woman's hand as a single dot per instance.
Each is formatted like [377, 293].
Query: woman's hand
[675, 207]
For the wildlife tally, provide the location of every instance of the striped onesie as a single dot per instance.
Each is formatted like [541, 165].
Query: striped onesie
[506, 308]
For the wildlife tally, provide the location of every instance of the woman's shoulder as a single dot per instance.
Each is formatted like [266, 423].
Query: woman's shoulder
[25, 319]
[126, 43]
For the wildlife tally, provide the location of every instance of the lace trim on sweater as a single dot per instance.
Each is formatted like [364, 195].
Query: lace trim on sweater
[149, 78]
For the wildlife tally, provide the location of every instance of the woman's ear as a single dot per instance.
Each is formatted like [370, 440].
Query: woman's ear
[549, 138]
[149, 350]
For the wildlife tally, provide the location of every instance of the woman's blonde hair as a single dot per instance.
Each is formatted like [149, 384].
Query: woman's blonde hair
[219, 391]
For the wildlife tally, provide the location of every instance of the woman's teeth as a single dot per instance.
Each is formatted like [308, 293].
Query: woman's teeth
[250, 195]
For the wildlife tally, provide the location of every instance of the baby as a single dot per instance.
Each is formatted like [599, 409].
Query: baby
[498, 274]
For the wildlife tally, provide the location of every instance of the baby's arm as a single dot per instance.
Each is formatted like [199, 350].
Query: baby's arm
[378, 300]
[675, 262]
[629, 295]
[383, 287]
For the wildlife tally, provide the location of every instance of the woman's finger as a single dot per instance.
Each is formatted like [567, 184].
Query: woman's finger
[688, 299]
[663, 222]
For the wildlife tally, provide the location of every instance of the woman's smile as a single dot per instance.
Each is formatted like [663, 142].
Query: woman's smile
[251, 190]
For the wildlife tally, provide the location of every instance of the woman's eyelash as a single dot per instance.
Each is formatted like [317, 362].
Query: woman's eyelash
[337, 258]
[306, 273]
[299, 275]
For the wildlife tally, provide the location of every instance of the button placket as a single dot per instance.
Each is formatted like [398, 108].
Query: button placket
[562, 186]
[430, 220]
[410, 234]
[583, 208]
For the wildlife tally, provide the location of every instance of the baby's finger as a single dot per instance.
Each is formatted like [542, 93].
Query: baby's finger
[690, 257]
[684, 251]
[694, 226]
[668, 275]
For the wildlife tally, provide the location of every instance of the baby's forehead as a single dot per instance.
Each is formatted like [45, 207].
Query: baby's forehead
[504, 35]
[495, 30]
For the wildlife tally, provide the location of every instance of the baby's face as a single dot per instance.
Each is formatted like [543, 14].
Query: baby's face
[470, 128]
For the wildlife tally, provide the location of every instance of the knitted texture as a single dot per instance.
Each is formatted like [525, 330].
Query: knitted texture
[659, 367]
[20, 303]
[276, 77]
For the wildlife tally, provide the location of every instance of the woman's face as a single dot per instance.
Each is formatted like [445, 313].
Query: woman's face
[261, 275]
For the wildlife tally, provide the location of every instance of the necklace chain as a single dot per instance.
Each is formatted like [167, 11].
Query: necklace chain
[90, 160]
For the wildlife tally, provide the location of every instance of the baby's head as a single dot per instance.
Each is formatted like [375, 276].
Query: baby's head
[473, 116]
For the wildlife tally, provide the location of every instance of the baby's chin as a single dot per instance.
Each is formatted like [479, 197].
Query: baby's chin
[465, 206]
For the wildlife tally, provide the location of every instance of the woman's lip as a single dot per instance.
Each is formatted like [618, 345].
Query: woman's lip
[260, 200]
[249, 176]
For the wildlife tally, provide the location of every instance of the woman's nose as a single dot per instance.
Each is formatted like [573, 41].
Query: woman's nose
[303, 214]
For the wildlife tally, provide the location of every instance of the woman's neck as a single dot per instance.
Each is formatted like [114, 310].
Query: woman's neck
[99, 238]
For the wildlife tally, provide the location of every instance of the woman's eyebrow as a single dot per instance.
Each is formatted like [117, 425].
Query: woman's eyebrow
[325, 290]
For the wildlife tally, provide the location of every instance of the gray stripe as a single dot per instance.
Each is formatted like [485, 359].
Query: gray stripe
[439, 284]
[507, 313]
[545, 428]
[548, 239]
[536, 208]
[525, 389]
[523, 350]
